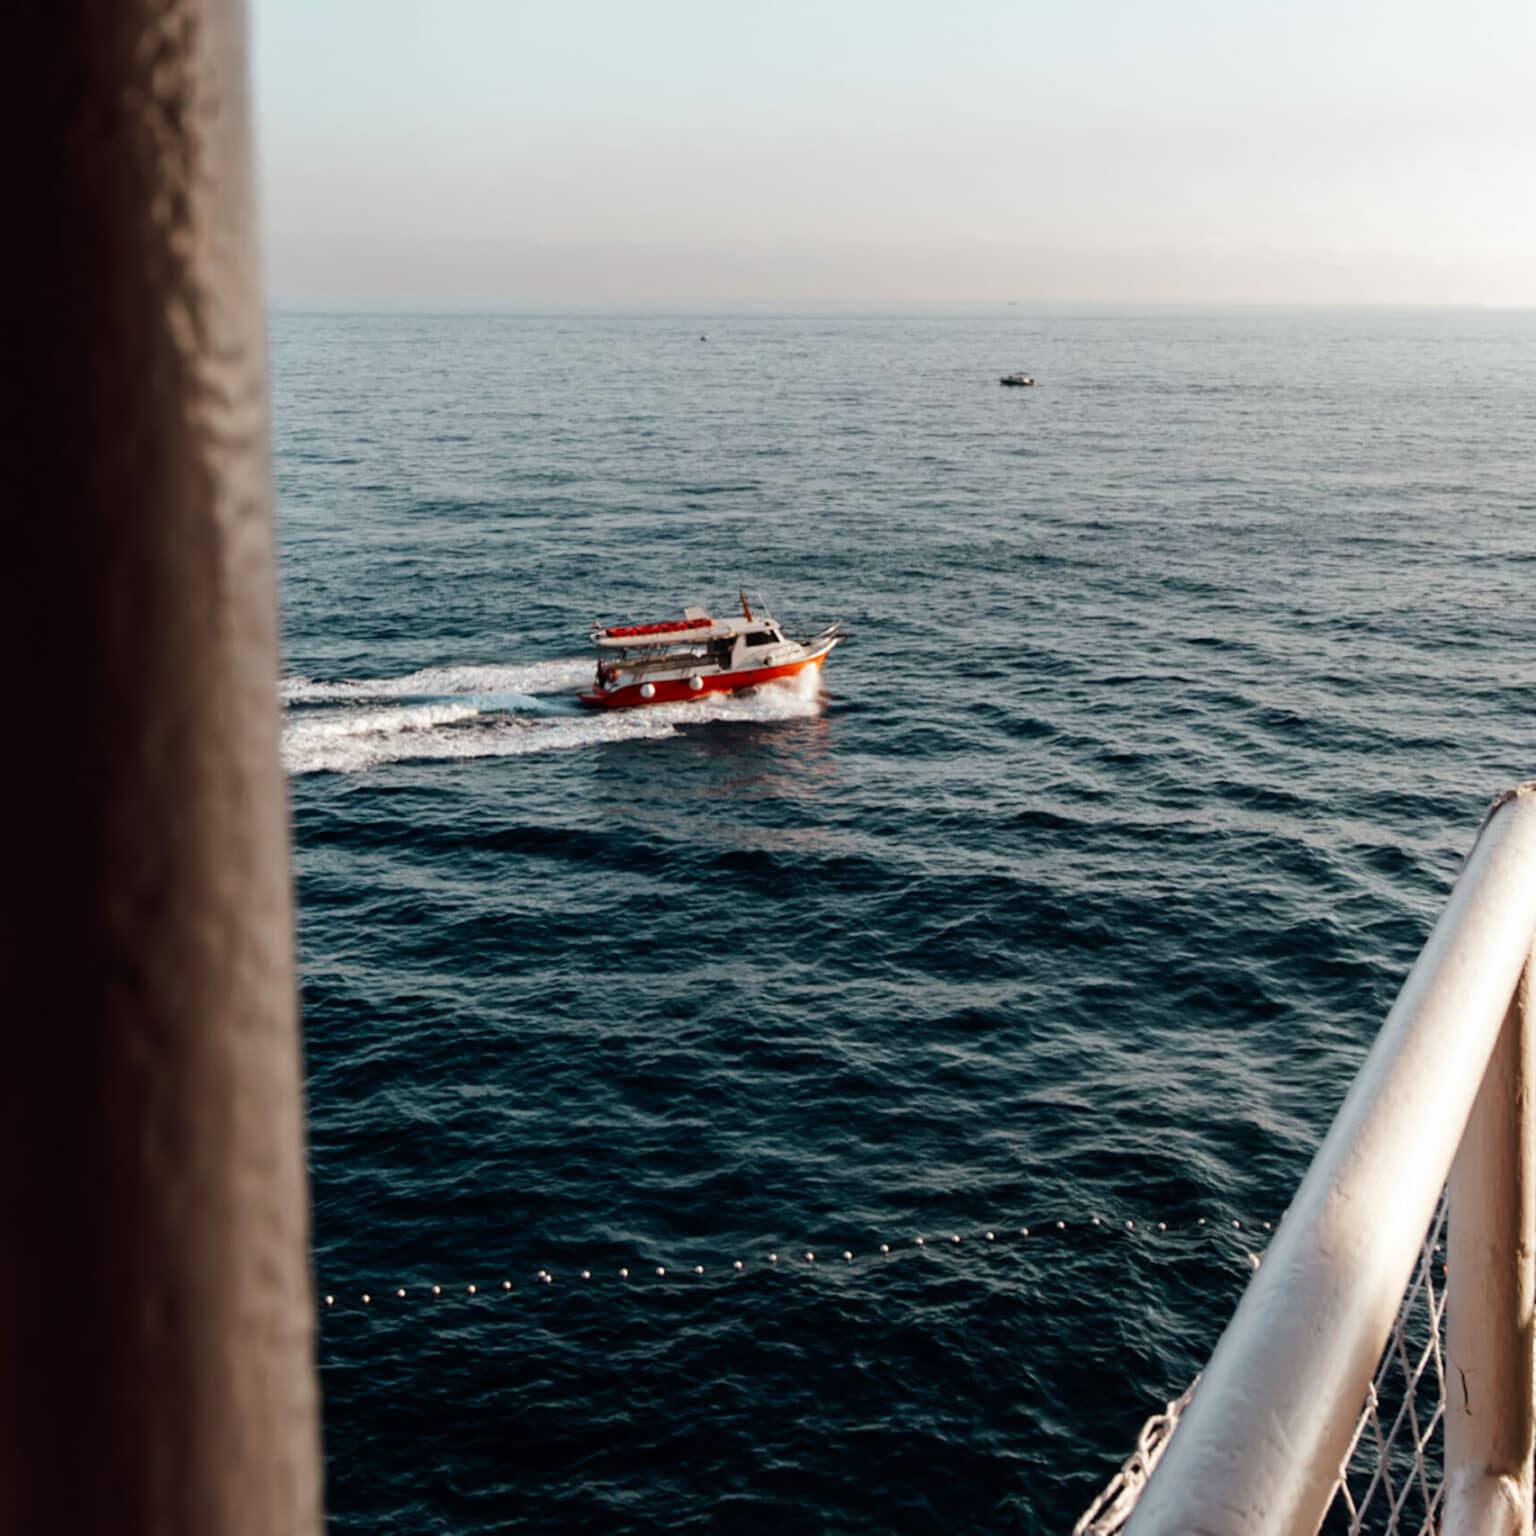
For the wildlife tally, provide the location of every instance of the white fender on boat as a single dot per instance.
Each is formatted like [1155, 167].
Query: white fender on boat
[695, 683]
[647, 690]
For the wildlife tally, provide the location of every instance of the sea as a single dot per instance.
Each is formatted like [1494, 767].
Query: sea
[857, 1105]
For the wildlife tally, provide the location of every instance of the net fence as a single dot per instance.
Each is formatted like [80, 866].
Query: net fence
[1391, 1479]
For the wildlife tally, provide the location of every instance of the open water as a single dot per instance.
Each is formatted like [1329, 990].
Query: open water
[1078, 888]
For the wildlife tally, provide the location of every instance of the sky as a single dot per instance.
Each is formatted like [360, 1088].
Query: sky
[613, 152]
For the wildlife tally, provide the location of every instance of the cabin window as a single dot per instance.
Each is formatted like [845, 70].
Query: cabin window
[761, 639]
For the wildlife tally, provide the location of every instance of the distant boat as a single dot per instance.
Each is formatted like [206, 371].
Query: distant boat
[1019, 379]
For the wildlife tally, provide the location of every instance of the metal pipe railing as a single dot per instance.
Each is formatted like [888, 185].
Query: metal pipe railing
[1259, 1449]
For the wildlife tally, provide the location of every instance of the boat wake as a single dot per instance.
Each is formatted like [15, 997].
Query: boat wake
[353, 725]
[436, 682]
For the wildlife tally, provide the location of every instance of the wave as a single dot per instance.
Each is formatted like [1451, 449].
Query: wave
[354, 740]
[438, 682]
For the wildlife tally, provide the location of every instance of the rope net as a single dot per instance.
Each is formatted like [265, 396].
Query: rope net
[1392, 1479]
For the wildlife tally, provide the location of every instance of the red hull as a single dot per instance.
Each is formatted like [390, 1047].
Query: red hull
[676, 690]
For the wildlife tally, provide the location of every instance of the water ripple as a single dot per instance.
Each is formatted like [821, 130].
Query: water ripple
[1080, 882]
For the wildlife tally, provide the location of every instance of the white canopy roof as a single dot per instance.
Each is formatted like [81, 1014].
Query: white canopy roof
[689, 631]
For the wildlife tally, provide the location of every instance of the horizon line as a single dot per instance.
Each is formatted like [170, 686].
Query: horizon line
[479, 304]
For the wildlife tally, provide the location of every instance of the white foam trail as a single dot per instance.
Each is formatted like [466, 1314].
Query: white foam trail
[438, 682]
[379, 722]
[353, 740]
[339, 738]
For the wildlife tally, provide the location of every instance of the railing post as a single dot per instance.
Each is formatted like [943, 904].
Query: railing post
[1488, 1410]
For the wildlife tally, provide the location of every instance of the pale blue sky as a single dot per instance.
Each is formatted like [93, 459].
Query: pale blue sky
[675, 151]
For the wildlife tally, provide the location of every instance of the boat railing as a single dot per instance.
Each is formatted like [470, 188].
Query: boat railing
[811, 642]
[654, 659]
[1379, 1363]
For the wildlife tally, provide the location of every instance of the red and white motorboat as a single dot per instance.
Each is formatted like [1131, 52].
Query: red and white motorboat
[697, 654]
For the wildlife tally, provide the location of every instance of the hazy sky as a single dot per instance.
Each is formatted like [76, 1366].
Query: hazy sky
[613, 151]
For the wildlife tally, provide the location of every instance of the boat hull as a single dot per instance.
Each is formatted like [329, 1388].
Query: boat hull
[676, 690]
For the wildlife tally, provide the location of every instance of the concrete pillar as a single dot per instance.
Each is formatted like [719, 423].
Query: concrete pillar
[156, 1319]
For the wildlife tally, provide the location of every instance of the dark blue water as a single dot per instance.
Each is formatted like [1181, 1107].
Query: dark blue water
[1177, 687]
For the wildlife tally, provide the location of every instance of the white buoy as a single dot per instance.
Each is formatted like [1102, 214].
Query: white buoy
[647, 690]
[885, 1247]
[330, 1301]
[471, 1290]
[1061, 1226]
[401, 1293]
[623, 1274]
[773, 1258]
[919, 1242]
[698, 1269]
[695, 683]
[1162, 1226]
[437, 1290]
[1237, 1226]
[1130, 1226]
[1023, 1231]
[847, 1257]
[366, 1298]
[660, 1271]
[586, 1274]
[991, 1237]
[810, 1258]
[506, 1285]
[955, 1238]
[739, 1264]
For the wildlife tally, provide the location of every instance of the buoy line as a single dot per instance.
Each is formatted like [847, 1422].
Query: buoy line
[778, 1260]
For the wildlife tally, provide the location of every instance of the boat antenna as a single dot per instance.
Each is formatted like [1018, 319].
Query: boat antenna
[746, 607]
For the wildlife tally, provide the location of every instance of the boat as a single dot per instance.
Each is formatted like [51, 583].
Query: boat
[1016, 379]
[686, 658]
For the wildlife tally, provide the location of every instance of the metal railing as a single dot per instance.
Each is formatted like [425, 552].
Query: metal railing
[1443, 1100]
